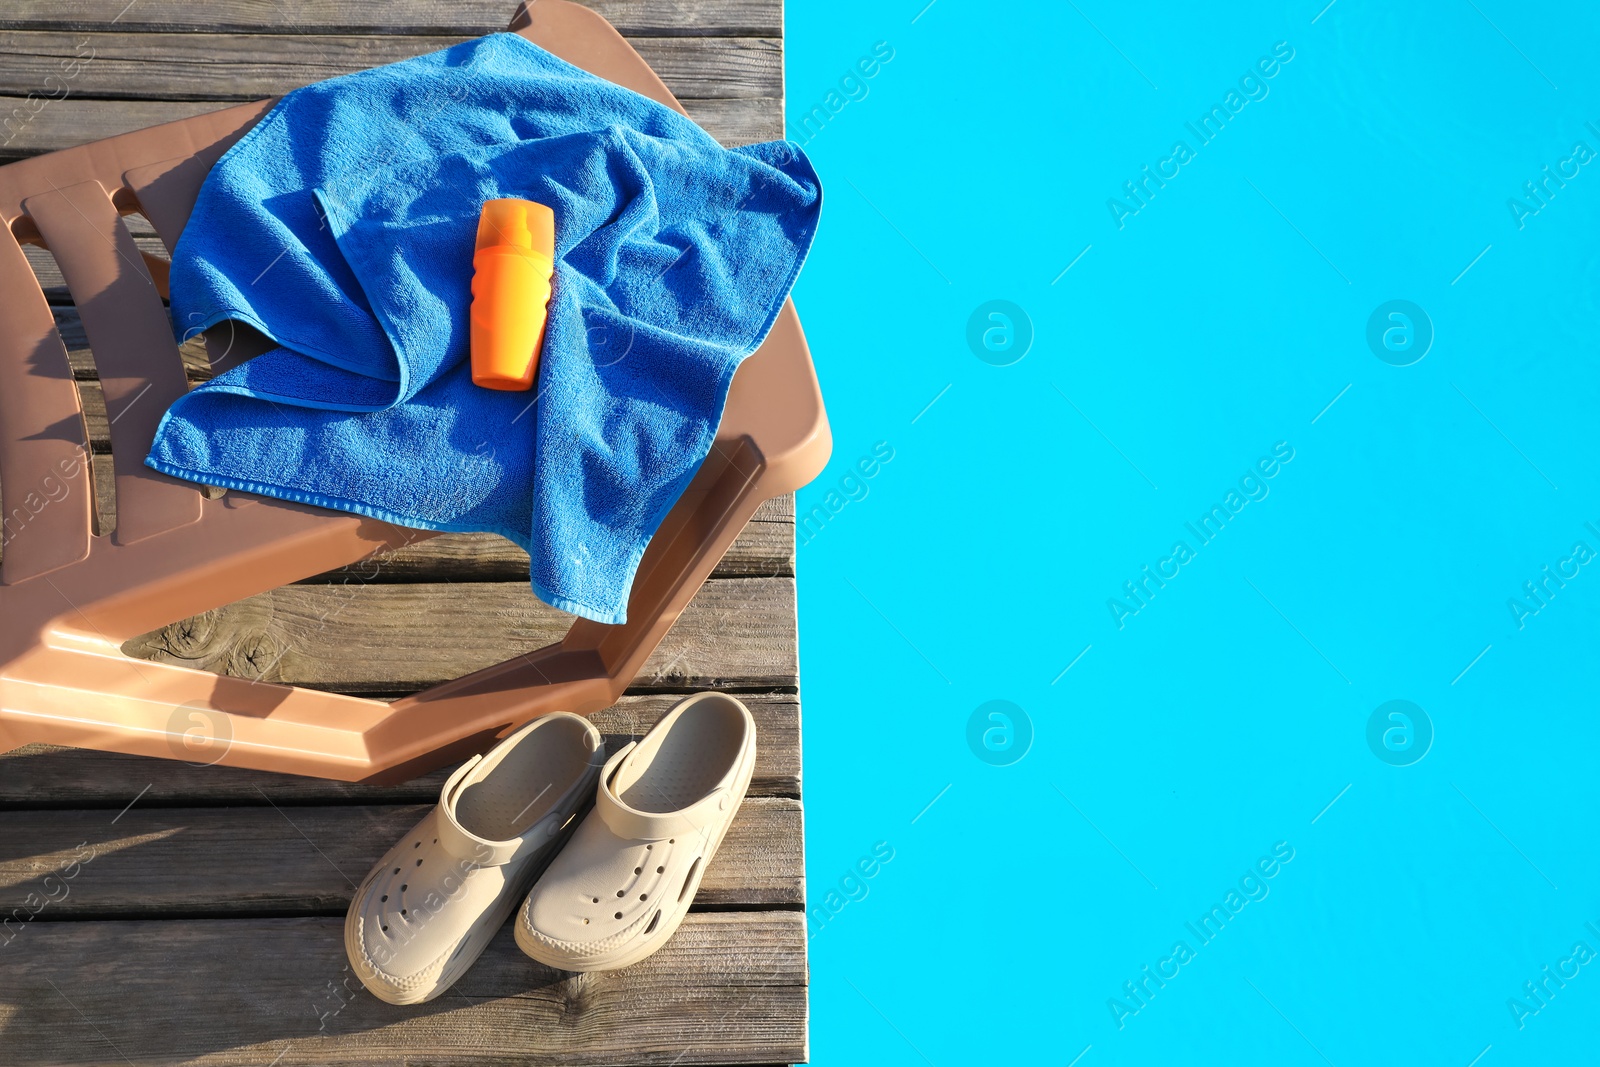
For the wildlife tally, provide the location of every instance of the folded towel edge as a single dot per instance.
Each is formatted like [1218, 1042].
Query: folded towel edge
[609, 616]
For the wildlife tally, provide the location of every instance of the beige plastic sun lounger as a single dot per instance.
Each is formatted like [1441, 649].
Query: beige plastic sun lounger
[70, 599]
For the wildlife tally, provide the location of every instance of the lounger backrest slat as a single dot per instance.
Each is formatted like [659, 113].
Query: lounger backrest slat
[166, 192]
[140, 369]
[45, 482]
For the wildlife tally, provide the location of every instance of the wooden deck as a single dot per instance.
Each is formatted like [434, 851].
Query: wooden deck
[152, 912]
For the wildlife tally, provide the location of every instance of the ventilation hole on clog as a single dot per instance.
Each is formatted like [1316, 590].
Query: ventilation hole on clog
[597, 900]
[653, 920]
[404, 888]
[586, 922]
[385, 929]
[436, 840]
[638, 870]
[621, 892]
[383, 898]
[647, 848]
[688, 879]
[672, 840]
[660, 870]
[403, 911]
[619, 914]
[417, 845]
[644, 896]
[397, 870]
[419, 863]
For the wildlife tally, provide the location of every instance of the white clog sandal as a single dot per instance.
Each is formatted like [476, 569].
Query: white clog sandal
[624, 883]
[432, 904]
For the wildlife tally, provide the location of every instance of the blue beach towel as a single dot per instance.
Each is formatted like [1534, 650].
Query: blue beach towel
[342, 227]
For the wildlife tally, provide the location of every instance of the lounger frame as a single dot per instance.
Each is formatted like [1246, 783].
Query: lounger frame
[69, 599]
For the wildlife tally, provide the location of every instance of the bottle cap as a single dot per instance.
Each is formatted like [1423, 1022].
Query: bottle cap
[517, 224]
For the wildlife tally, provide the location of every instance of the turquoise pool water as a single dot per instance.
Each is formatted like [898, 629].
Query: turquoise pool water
[1199, 612]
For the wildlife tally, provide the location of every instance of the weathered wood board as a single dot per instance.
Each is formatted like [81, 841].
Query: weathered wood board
[634, 18]
[159, 862]
[239, 67]
[737, 633]
[239, 992]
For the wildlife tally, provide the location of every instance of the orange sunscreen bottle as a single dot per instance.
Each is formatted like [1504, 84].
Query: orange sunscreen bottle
[511, 271]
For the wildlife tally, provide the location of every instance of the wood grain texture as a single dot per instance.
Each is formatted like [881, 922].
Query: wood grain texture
[381, 638]
[428, 17]
[241, 67]
[71, 122]
[301, 860]
[41, 777]
[728, 988]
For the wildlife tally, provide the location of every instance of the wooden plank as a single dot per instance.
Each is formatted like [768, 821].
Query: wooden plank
[40, 126]
[447, 17]
[71, 122]
[302, 860]
[728, 988]
[49, 776]
[764, 548]
[238, 67]
[380, 638]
